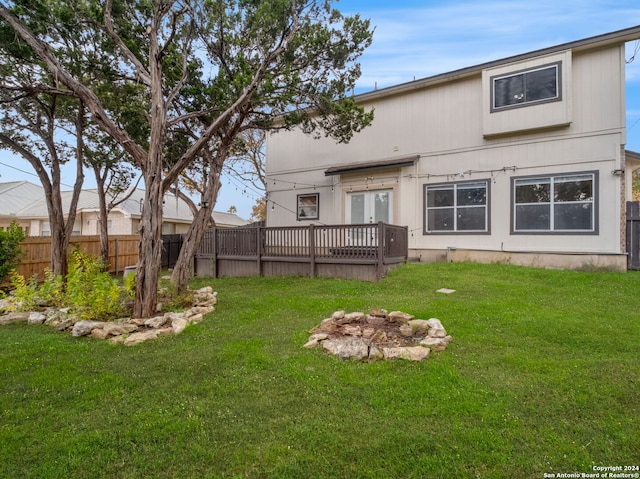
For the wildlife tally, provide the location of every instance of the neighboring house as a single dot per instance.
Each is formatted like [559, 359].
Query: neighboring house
[520, 160]
[14, 196]
[24, 202]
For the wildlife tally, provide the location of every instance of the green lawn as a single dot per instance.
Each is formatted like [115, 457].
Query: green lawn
[543, 376]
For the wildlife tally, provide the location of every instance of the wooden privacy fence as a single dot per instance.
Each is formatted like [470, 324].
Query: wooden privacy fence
[123, 252]
[366, 251]
[36, 250]
[633, 235]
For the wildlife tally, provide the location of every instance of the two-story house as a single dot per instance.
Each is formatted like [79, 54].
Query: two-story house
[520, 160]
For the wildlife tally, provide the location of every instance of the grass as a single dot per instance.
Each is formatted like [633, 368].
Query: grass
[543, 376]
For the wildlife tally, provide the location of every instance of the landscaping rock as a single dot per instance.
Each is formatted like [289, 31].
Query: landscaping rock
[36, 318]
[315, 339]
[436, 344]
[380, 336]
[368, 332]
[156, 322]
[352, 330]
[351, 318]
[140, 337]
[84, 327]
[179, 324]
[200, 310]
[13, 318]
[115, 329]
[399, 317]
[406, 330]
[64, 324]
[347, 348]
[326, 326]
[117, 340]
[98, 333]
[436, 328]
[378, 313]
[415, 353]
[375, 353]
[420, 326]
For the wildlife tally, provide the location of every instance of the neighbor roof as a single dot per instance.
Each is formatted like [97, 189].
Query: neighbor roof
[16, 195]
[174, 209]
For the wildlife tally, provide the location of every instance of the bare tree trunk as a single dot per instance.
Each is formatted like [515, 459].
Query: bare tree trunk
[59, 242]
[103, 214]
[183, 268]
[150, 250]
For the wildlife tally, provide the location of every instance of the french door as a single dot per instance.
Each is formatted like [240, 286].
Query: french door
[368, 207]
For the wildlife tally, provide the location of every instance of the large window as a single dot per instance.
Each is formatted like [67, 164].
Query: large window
[526, 87]
[456, 208]
[563, 203]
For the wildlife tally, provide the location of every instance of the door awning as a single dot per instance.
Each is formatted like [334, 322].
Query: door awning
[371, 165]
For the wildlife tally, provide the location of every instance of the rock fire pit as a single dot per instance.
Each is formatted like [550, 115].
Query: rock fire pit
[379, 335]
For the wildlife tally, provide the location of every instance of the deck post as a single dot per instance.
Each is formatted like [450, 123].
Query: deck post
[380, 262]
[312, 251]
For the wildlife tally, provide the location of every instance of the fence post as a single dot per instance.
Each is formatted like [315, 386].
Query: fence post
[116, 258]
[380, 266]
[214, 249]
[259, 249]
[312, 251]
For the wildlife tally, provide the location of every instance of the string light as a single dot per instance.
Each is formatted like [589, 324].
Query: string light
[371, 182]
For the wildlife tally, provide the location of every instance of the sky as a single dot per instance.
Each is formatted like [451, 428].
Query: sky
[417, 39]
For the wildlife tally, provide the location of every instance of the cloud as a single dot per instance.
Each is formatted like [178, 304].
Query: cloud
[445, 36]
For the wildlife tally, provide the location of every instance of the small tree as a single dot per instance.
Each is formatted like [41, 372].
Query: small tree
[259, 210]
[10, 249]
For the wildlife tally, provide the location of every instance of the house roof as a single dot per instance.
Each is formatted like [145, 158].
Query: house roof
[613, 38]
[633, 156]
[174, 209]
[16, 195]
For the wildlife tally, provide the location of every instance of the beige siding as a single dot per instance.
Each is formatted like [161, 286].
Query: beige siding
[449, 126]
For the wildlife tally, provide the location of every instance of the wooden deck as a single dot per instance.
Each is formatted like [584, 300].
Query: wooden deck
[365, 252]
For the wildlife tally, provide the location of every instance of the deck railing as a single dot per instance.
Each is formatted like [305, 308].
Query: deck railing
[376, 245]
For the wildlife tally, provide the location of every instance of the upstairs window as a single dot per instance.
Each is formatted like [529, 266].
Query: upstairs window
[526, 87]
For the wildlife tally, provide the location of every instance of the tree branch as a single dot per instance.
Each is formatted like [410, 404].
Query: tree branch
[143, 74]
[90, 99]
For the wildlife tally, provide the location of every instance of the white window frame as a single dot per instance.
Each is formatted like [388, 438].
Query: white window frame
[558, 87]
[554, 180]
[456, 207]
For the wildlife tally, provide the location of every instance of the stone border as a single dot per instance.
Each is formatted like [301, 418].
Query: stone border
[127, 331]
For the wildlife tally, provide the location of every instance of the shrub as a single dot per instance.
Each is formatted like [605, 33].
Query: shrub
[10, 249]
[52, 289]
[91, 291]
[25, 292]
